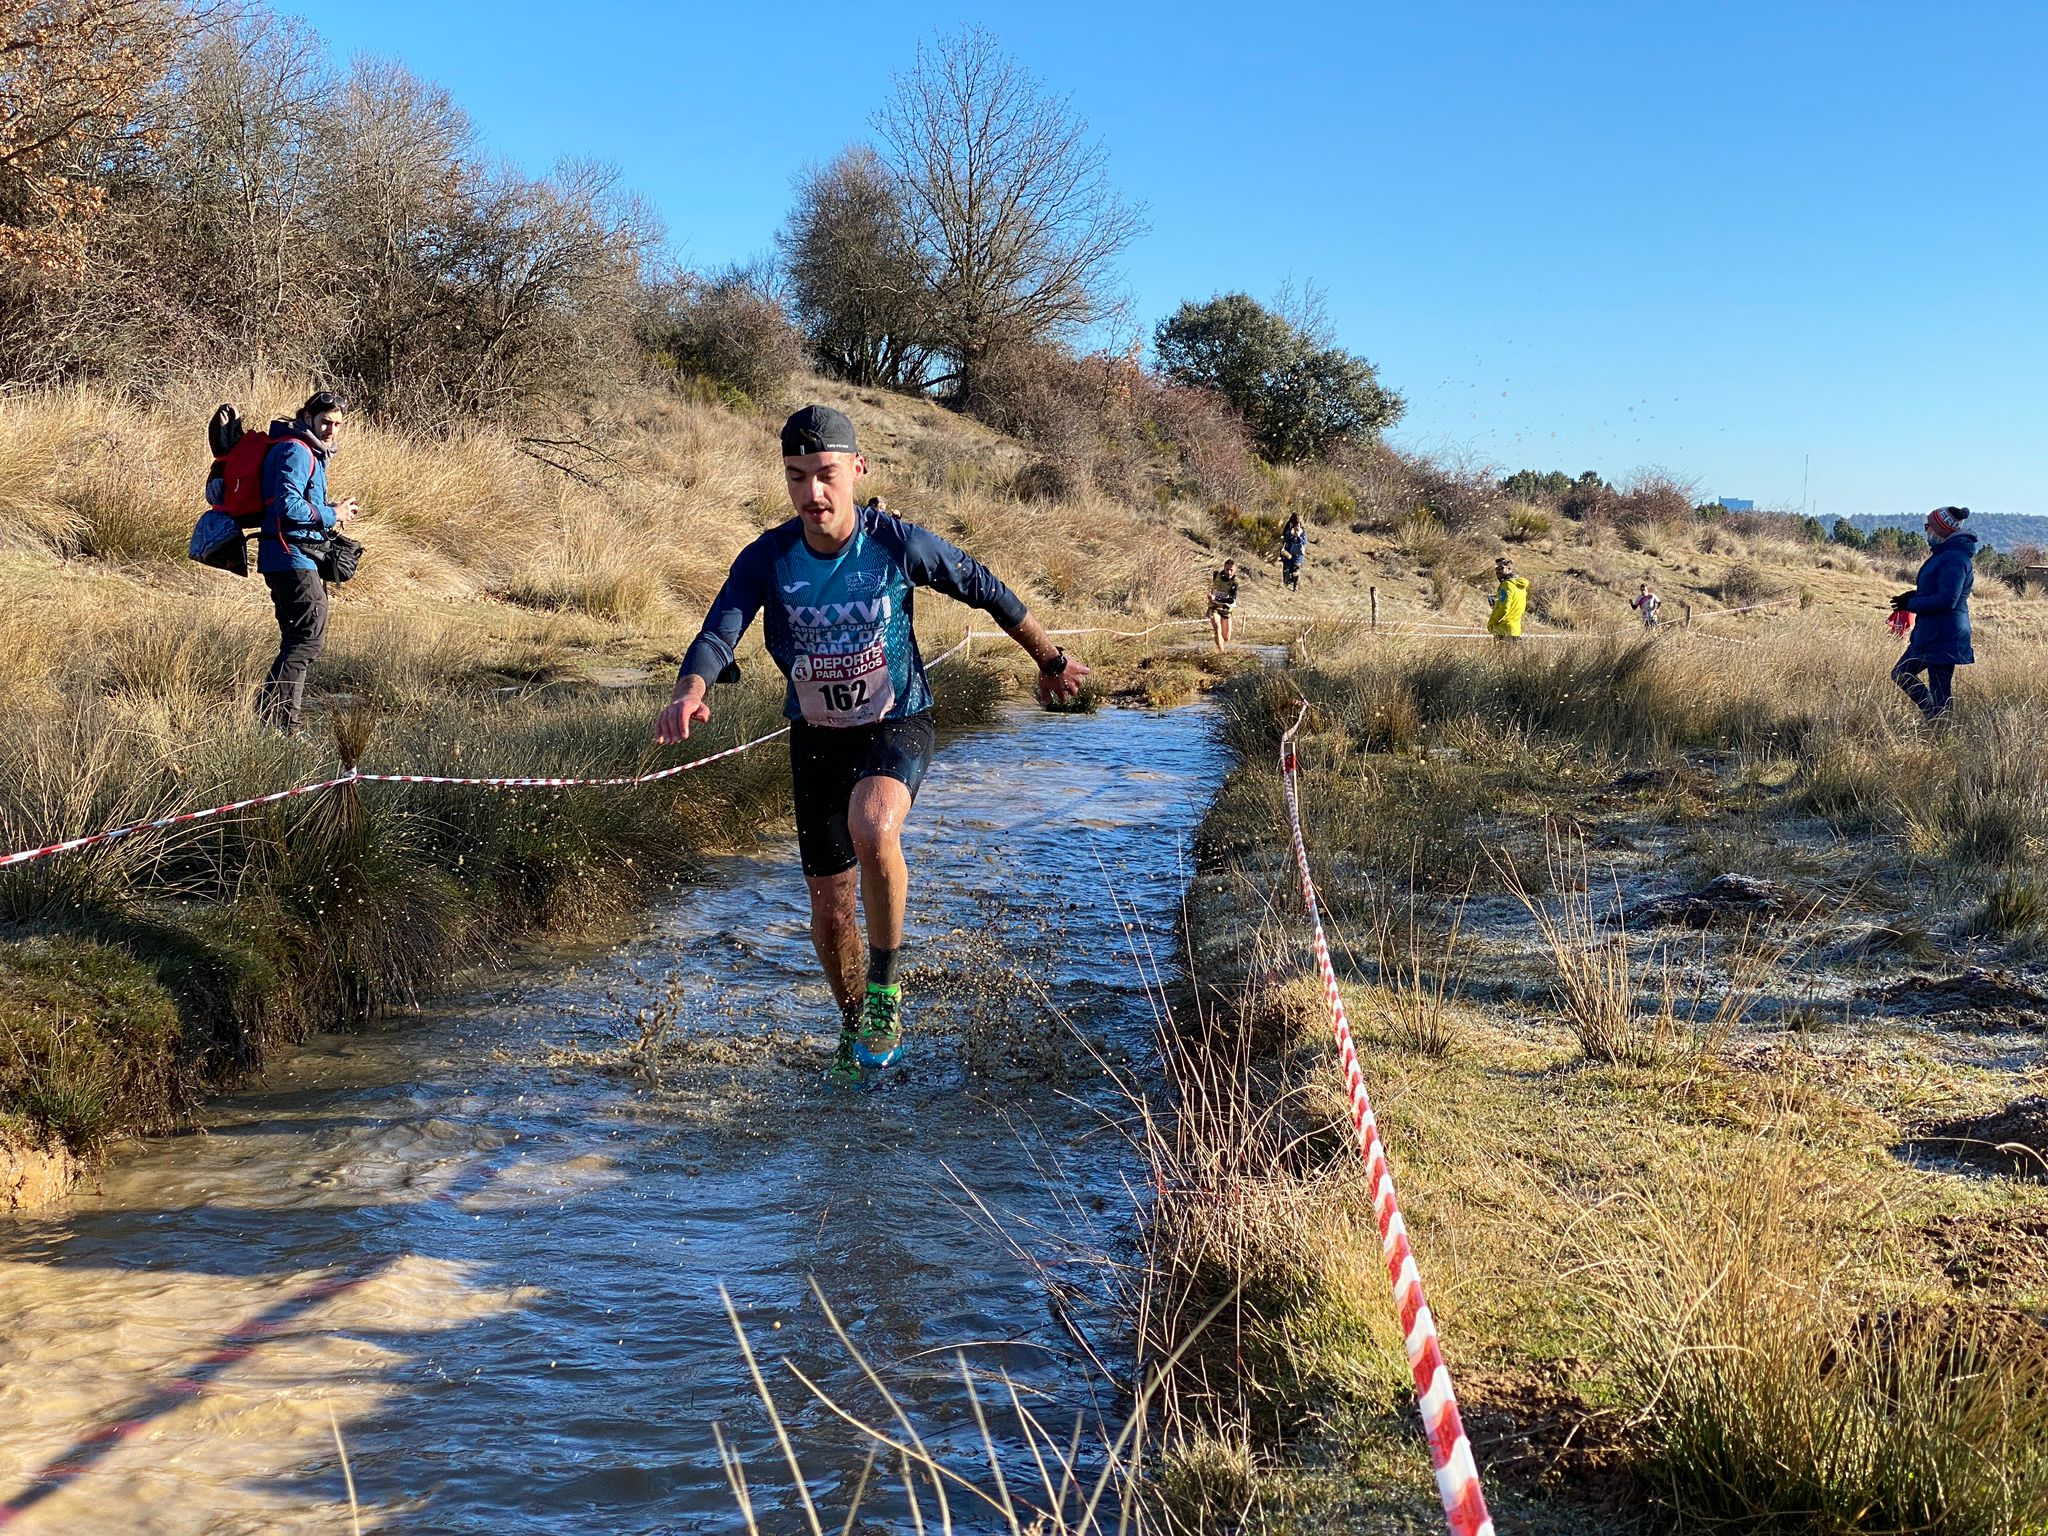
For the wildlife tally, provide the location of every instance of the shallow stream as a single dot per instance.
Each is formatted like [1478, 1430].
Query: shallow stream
[492, 1260]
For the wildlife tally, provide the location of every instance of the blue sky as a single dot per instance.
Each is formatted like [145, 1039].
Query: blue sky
[1718, 238]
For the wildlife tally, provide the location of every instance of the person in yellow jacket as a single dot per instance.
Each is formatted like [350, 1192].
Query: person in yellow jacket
[1510, 601]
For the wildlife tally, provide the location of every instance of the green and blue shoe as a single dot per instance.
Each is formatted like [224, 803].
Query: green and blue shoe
[878, 1041]
[845, 1070]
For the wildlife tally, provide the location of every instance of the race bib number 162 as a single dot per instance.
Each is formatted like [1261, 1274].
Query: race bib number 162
[844, 690]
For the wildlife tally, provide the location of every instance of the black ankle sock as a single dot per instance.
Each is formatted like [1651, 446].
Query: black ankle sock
[882, 966]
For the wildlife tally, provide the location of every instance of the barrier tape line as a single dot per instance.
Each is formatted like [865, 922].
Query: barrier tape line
[72, 844]
[1450, 1453]
[112, 834]
[1100, 629]
[1722, 613]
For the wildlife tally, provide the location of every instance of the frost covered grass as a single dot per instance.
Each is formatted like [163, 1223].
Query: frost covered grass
[1685, 1276]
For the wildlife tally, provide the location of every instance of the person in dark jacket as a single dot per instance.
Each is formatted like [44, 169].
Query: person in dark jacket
[1940, 604]
[1293, 550]
[297, 519]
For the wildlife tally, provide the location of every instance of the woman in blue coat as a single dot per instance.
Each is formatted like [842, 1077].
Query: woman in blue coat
[1940, 605]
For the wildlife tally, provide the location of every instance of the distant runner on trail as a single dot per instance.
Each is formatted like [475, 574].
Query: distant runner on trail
[836, 583]
[1646, 603]
[1222, 598]
[1510, 601]
[1293, 550]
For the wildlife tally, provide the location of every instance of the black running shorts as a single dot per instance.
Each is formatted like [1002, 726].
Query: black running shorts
[824, 765]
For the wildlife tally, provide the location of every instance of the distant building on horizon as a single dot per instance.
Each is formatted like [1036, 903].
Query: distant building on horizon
[1738, 504]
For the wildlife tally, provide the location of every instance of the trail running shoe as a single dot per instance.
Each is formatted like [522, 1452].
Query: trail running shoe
[845, 1071]
[879, 1040]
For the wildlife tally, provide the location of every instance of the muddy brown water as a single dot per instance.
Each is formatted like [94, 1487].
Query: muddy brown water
[496, 1266]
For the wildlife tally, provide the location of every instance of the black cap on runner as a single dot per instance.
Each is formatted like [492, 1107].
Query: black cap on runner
[817, 429]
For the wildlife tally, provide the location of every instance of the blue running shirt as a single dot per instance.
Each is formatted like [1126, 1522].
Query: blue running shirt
[839, 626]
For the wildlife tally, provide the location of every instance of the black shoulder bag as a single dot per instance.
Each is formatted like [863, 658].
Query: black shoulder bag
[338, 558]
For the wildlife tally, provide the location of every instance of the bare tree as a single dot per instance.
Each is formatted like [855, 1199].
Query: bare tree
[396, 166]
[728, 328]
[855, 278]
[538, 290]
[1007, 201]
[234, 190]
[185, 185]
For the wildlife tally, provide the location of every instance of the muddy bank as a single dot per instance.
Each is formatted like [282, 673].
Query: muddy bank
[32, 1177]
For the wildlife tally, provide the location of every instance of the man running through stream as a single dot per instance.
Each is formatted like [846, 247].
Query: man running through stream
[836, 582]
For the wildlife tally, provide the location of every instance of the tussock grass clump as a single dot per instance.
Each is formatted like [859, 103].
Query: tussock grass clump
[594, 565]
[1205, 1481]
[1598, 980]
[1421, 975]
[2015, 907]
[93, 1041]
[1637, 1003]
[1524, 522]
[1744, 583]
[1985, 805]
[1773, 1390]
[190, 661]
[1422, 537]
[1255, 1279]
[1391, 716]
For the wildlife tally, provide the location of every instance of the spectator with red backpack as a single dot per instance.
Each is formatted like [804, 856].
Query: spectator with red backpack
[298, 523]
[272, 486]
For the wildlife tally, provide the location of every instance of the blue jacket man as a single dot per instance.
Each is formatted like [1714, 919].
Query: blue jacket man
[1940, 605]
[296, 513]
[297, 518]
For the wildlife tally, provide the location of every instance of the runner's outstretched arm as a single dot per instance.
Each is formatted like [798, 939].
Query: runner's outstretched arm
[711, 654]
[932, 562]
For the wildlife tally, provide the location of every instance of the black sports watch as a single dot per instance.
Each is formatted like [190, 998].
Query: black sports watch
[1057, 665]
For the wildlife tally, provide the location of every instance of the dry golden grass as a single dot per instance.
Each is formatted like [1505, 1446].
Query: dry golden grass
[1779, 1378]
[635, 528]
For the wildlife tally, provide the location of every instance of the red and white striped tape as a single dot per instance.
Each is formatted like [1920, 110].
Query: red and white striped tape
[1457, 1475]
[112, 834]
[534, 783]
[69, 845]
[1100, 629]
[72, 844]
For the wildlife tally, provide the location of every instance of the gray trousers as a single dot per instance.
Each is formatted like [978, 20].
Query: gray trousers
[301, 603]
